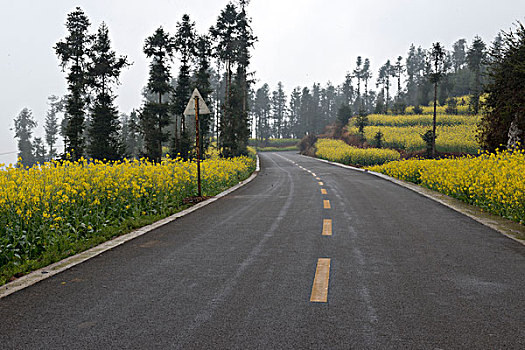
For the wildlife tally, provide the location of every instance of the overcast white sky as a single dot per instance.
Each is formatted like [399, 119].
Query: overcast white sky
[300, 41]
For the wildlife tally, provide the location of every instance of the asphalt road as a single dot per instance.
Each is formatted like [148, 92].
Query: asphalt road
[403, 273]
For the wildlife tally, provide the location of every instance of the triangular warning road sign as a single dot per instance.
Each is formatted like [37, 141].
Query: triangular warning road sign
[190, 108]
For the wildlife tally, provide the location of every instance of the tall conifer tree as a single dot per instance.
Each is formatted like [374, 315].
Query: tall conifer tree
[24, 125]
[185, 45]
[73, 55]
[51, 126]
[476, 56]
[437, 70]
[202, 78]
[104, 72]
[155, 116]
[278, 102]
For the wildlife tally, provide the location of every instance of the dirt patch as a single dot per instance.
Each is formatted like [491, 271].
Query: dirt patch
[195, 200]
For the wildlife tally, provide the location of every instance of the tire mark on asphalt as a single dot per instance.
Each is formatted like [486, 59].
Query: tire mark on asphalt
[228, 287]
[369, 332]
[363, 291]
[96, 312]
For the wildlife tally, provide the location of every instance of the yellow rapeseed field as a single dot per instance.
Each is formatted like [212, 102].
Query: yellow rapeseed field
[455, 133]
[50, 206]
[494, 182]
[339, 151]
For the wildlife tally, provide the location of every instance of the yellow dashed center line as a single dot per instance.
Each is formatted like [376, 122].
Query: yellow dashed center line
[320, 286]
[323, 191]
[327, 227]
[326, 204]
[320, 183]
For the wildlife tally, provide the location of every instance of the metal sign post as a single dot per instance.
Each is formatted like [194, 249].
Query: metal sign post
[195, 106]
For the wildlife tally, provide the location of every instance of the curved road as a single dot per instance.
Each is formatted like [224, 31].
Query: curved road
[306, 256]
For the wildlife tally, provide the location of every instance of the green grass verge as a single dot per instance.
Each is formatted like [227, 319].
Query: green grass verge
[277, 149]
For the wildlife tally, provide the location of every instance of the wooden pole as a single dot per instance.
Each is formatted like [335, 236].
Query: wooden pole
[198, 146]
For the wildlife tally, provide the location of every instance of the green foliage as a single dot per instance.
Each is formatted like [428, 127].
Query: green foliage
[277, 149]
[307, 145]
[378, 139]
[452, 106]
[429, 139]
[399, 107]
[275, 142]
[361, 121]
[505, 103]
[343, 114]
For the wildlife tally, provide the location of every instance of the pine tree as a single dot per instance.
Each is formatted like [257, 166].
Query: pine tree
[185, 46]
[437, 70]
[347, 89]
[202, 78]
[357, 73]
[51, 127]
[366, 75]
[398, 70]
[155, 116]
[315, 125]
[329, 103]
[417, 84]
[306, 113]
[130, 135]
[224, 34]
[39, 151]
[234, 39]
[294, 111]
[385, 73]
[104, 72]
[278, 102]
[459, 54]
[344, 113]
[73, 55]
[245, 41]
[261, 111]
[24, 125]
[476, 56]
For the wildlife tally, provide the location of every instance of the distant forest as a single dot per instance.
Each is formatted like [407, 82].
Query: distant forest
[395, 85]
[218, 64]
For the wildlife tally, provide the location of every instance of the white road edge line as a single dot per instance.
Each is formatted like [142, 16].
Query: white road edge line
[491, 223]
[53, 269]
